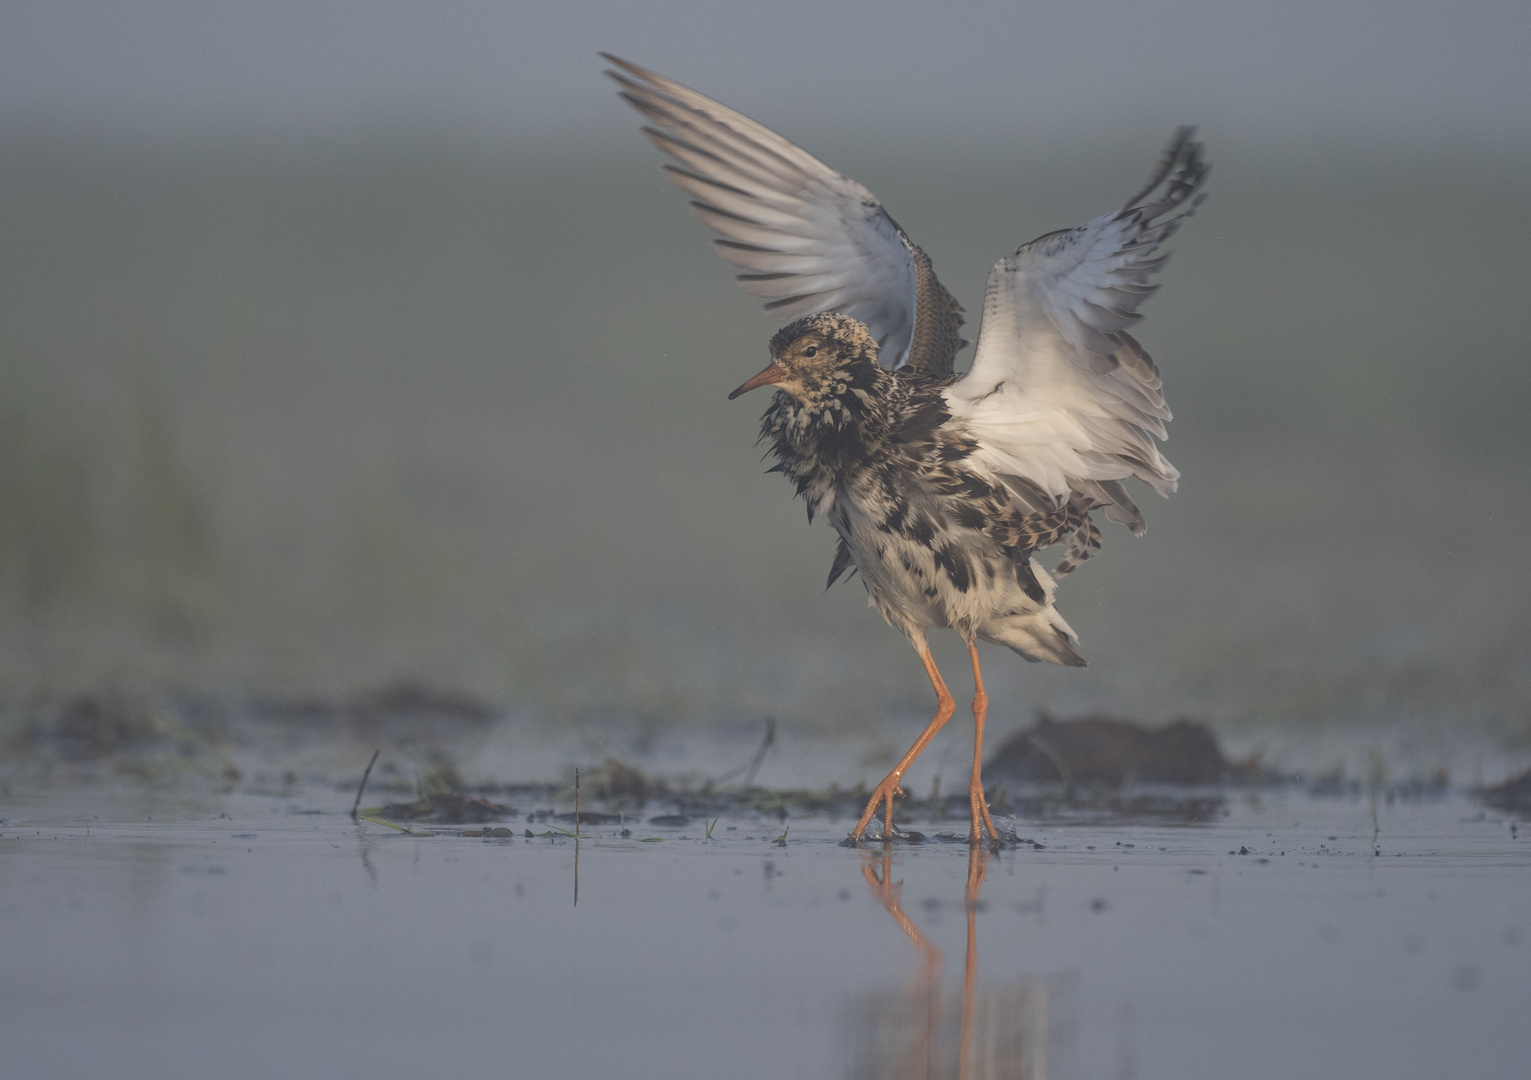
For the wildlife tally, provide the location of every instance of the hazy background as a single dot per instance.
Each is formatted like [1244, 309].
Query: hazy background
[343, 344]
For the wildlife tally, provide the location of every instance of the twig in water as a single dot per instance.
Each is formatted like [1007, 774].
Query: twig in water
[936, 813]
[363, 786]
[997, 804]
[710, 825]
[1064, 772]
[781, 841]
[765, 744]
[1376, 778]
[406, 829]
[750, 769]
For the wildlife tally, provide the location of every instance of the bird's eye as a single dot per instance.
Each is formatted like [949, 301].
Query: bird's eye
[812, 350]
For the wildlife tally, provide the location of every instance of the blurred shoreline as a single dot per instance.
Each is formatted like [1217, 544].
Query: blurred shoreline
[309, 417]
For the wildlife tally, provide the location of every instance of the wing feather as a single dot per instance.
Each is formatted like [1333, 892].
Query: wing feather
[1059, 393]
[803, 237]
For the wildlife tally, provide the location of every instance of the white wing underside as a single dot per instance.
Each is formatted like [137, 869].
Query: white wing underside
[1059, 394]
[805, 238]
[1060, 398]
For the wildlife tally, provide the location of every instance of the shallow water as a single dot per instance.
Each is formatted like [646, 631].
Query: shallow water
[239, 935]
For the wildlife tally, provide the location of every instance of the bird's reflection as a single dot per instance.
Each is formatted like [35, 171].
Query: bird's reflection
[920, 1032]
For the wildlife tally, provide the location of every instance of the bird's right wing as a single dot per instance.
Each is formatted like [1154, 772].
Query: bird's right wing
[1060, 398]
[804, 237]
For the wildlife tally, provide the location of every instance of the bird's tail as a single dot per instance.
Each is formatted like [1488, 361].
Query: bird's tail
[1041, 636]
[1037, 635]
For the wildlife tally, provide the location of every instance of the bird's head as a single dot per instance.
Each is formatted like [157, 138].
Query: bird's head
[807, 354]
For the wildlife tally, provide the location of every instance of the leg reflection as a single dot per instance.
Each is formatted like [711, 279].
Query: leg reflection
[915, 1031]
[978, 866]
[877, 870]
[923, 996]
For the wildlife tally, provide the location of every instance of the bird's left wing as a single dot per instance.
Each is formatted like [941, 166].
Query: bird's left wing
[1060, 398]
[804, 237]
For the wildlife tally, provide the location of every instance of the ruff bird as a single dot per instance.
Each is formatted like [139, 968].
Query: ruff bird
[941, 487]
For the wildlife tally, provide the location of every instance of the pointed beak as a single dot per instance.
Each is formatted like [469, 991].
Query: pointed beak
[772, 374]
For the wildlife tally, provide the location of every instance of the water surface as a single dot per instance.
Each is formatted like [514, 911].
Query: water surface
[239, 935]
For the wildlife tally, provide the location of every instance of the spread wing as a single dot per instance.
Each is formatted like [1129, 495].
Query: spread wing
[1060, 398]
[804, 237]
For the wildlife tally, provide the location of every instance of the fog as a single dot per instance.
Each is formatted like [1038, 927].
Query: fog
[345, 344]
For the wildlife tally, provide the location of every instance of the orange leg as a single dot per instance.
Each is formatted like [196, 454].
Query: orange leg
[979, 804]
[889, 787]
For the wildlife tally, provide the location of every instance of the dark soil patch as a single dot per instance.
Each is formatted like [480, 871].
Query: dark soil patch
[1513, 795]
[1111, 753]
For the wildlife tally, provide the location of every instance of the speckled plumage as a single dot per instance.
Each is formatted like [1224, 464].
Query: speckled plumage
[939, 540]
[941, 487]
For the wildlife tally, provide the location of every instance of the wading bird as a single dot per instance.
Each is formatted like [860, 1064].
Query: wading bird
[941, 487]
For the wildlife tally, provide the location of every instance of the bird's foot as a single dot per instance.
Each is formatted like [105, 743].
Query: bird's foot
[981, 818]
[883, 795]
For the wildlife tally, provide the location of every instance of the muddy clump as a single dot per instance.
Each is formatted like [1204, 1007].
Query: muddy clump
[618, 780]
[412, 701]
[448, 808]
[137, 736]
[89, 727]
[1514, 795]
[1104, 752]
[427, 721]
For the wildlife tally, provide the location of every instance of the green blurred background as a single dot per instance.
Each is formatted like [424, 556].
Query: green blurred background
[350, 344]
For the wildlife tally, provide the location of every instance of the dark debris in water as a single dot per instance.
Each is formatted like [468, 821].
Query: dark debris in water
[586, 817]
[449, 808]
[1030, 801]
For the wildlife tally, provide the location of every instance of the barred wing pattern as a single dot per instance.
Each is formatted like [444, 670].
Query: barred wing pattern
[804, 237]
[1060, 398]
